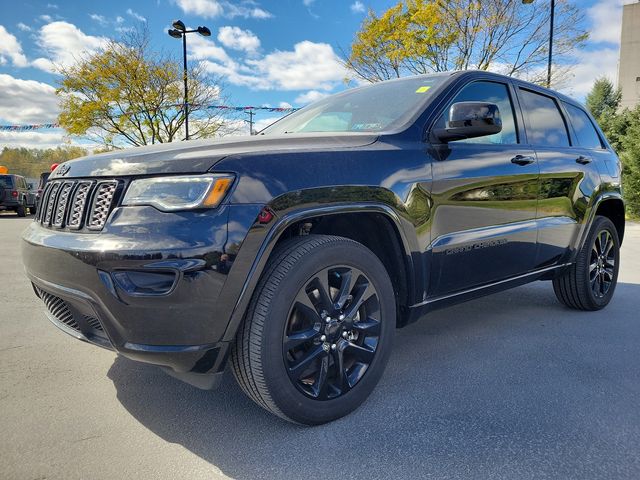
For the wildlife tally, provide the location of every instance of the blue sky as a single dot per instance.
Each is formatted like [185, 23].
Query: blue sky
[270, 52]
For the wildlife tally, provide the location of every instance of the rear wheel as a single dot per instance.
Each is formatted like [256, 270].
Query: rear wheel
[22, 209]
[590, 282]
[318, 332]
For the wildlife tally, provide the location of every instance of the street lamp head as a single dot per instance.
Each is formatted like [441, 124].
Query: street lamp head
[178, 25]
[204, 31]
[174, 33]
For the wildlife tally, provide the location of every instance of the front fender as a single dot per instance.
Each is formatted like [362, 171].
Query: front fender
[292, 208]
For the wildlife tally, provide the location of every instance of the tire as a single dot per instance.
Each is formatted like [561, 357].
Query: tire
[22, 209]
[288, 294]
[582, 287]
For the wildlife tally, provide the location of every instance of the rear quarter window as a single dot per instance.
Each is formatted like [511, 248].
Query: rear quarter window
[586, 133]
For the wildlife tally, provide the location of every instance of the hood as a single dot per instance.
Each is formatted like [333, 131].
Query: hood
[198, 156]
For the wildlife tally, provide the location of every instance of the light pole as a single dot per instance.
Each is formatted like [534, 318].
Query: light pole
[551, 20]
[180, 31]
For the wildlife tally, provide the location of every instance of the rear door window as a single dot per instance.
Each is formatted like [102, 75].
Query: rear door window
[583, 127]
[543, 120]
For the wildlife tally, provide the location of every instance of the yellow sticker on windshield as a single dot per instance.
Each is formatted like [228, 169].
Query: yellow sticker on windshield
[423, 89]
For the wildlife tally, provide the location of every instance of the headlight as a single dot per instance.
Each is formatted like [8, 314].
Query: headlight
[180, 192]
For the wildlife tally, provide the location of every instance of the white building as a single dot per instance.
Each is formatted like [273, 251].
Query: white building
[629, 69]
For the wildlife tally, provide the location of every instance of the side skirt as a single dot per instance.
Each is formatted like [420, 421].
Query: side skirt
[421, 309]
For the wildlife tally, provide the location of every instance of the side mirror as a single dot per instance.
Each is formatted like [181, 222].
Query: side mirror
[470, 120]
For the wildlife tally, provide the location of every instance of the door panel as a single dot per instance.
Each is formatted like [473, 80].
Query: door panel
[568, 174]
[484, 220]
[565, 189]
[485, 192]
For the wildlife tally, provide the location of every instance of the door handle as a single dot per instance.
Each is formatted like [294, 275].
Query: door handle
[582, 160]
[523, 160]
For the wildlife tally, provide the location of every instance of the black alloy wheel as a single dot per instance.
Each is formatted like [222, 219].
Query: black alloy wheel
[332, 332]
[602, 264]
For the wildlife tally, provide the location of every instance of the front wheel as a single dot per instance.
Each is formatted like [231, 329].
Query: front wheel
[318, 333]
[590, 282]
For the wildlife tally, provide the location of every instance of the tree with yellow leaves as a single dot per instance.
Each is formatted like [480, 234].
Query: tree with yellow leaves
[425, 36]
[125, 94]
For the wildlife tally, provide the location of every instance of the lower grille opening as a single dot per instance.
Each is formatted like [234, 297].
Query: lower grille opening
[71, 316]
[93, 322]
[59, 309]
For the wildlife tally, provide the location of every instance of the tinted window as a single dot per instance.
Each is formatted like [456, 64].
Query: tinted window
[544, 122]
[585, 131]
[6, 181]
[491, 92]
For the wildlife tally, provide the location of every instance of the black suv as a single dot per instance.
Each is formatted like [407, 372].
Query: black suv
[293, 255]
[16, 195]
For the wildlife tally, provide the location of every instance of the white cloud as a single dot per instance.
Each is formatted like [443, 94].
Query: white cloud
[45, 18]
[265, 122]
[238, 39]
[119, 19]
[307, 3]
[591, 65]
[27, 101]
[224, 8]
[200, 48]
[11, 48]
[136, 15]
[606, 21]
[33, 139]
[357, 7]
[98, 18]
[285, 105]
[63, 42]
[23, 27]
[52, 5]
[309, 66]
[310, 97]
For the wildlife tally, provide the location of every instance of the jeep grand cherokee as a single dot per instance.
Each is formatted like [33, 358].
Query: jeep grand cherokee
[293, 255]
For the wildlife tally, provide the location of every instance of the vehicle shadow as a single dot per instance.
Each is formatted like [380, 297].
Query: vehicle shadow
[513, 386]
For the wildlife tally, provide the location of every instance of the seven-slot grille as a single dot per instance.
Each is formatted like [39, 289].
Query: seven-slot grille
[76, 204]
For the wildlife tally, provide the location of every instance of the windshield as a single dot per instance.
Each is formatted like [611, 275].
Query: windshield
[374, 108]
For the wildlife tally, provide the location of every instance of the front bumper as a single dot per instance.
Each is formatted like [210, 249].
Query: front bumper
[178, 324]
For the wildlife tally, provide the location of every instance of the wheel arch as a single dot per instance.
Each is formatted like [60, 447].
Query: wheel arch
[341, 220]
[613, 208]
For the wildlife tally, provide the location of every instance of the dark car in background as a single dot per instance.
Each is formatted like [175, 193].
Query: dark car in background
[293, 255]
[16, 195]
[44, 176]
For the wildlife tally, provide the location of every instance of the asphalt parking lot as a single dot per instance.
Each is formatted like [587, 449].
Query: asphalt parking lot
[510, 386]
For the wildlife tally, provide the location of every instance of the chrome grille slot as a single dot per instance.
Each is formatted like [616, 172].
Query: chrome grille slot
[78, 204]
[51, 200]
[61, 205]
[101, 205]
[43, 202]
